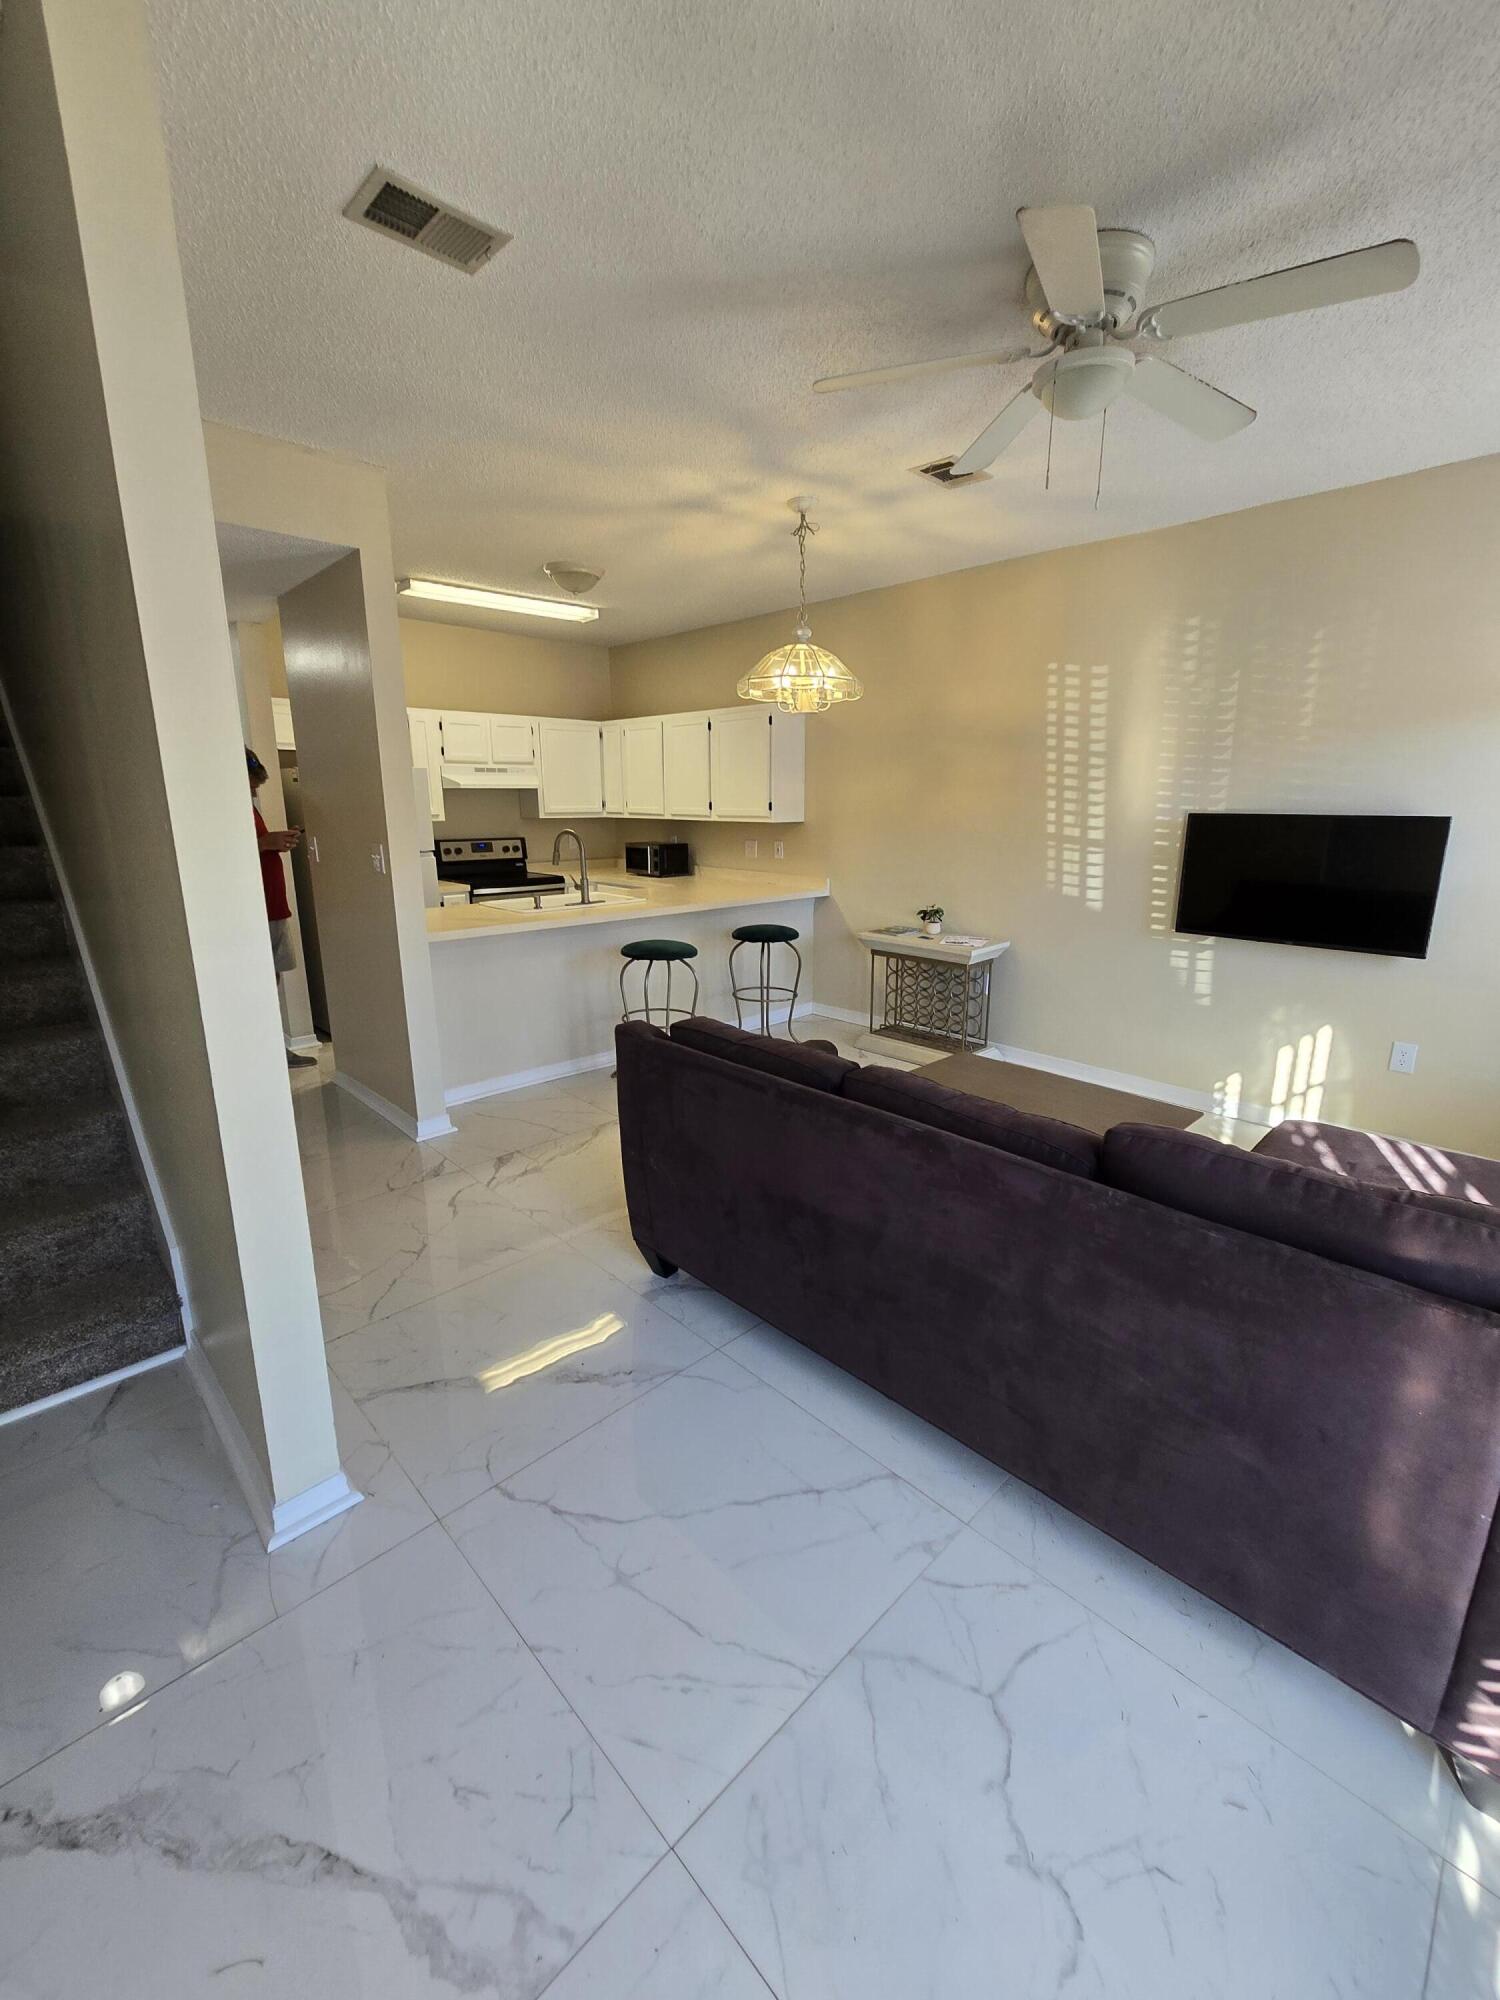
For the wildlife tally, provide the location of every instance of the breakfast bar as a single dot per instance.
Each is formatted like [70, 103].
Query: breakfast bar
[524, 995]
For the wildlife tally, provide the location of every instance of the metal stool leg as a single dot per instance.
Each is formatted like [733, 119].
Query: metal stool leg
[791, 1012]
[734, 984]
[765, 989]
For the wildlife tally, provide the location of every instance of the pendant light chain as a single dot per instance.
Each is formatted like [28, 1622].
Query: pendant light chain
[801, 679]
[800, 533]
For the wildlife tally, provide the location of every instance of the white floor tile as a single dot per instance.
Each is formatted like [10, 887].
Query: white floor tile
[1346, 1736]
[354, 1169]
[709, 1314]
[946, 1471]
[572, 1179]
[155, 1397]
[663, 1943]
[380, 1795]
[394, 1251]
[689, 1569]
[1465, 1961]
[997, 1793]
[391, 1511]
[128, 1552]
[487, 1377]
[491, 1129]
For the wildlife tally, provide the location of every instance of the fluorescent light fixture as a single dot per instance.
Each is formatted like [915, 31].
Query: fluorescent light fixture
[497, 600]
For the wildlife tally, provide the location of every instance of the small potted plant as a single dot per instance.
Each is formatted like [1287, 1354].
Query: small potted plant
[932, 920]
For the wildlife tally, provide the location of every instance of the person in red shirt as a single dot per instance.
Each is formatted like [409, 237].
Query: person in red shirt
[273, 881]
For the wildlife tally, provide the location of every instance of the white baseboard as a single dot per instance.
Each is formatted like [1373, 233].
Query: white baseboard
[1108, 1079]
[276, 1522]
[248, 1471]
[858, 1015]
[110, 1381]
[310, 1509]
[425, 1128]
[302, 1045]
[524, 1079]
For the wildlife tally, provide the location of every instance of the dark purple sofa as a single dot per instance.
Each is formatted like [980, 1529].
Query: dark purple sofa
[1274, 1374]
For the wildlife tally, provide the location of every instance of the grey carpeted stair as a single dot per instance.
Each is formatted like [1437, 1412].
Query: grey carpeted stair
[83, 1289]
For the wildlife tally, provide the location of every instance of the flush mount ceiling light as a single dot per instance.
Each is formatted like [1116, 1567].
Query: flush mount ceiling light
[496, 600]
[577, 579]
[801, 678]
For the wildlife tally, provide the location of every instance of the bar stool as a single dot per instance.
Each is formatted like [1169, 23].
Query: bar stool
[647, 952]
[763, 992]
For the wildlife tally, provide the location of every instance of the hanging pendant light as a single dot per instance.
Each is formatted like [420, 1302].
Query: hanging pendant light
[801, 678]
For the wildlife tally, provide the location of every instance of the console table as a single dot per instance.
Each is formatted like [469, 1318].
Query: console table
[931, 991]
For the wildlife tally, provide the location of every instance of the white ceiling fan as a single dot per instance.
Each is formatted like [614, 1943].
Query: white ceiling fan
[1086, 287]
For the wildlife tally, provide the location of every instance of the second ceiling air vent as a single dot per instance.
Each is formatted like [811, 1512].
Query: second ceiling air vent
[409, 214]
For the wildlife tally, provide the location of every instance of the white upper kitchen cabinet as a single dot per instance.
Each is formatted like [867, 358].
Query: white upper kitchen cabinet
[685, 767]
[756, 764]
[466, 737]
[571, 769]
[281, 714]
[427, 753]
[612, 756]
[513, 739]
[645, 793]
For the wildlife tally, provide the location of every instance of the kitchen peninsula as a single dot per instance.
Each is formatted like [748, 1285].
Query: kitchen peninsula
[526, 994]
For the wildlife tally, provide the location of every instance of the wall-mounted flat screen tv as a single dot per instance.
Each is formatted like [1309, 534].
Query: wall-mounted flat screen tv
[1345, 881]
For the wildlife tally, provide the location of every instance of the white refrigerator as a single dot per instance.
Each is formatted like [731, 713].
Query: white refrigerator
[432, 894]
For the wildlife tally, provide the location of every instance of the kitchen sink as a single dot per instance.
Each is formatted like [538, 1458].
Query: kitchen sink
[599, 892]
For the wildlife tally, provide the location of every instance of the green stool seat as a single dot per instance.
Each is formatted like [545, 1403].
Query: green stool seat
[648, 953]
[657, 949]
[765, 934]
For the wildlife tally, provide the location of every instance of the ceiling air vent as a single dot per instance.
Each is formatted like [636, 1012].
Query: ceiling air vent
[396, 208]
[940, 472]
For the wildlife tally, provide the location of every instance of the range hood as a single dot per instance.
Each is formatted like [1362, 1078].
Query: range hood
[489, 777]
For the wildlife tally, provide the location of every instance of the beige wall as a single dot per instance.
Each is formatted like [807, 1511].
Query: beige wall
[339, 778]
[258, 659]
[116, 661]
[1033, 732]
[507, 673]
[262, 482]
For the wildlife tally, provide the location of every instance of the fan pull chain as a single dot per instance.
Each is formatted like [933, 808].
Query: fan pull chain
[1099, 481]
[1051, 420]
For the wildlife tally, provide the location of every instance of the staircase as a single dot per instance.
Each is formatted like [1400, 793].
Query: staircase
[83, 1288]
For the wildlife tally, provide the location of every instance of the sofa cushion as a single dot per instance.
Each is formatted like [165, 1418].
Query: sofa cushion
[1448, 1247]
[1048, 1141]
[793, 1061]
[1388, 1163]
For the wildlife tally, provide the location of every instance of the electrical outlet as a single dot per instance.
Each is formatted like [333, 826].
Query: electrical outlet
[752, 850]
[1404, 1057]
[779, 850]
[377, 859]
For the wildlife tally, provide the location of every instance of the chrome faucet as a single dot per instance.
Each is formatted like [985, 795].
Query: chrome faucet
[584, 895]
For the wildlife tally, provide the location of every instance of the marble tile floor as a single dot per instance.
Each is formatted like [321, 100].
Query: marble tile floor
[662, 1659]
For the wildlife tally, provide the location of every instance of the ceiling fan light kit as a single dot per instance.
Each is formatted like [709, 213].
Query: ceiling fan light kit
[801, 679]
[1086, 287]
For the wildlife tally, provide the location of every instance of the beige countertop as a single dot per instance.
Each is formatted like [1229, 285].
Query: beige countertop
[650, 896]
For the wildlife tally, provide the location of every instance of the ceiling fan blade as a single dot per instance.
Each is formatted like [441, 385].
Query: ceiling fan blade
[1331, 281]
[1064, 246]
[1197, 406]
[911, 371]
[996, 435]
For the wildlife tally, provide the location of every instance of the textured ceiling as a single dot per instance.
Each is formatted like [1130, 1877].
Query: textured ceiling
[715, 202]
[259, 567]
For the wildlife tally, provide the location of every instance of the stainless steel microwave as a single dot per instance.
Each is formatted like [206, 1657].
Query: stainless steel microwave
[658, 857]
